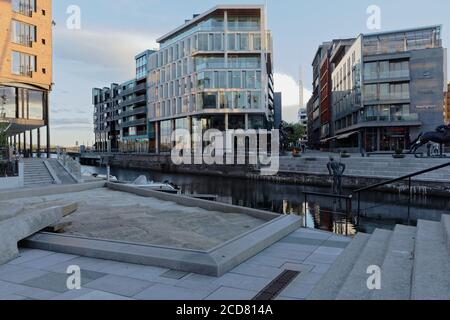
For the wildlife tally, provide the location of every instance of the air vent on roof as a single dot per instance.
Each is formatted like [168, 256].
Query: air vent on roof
[195, 15]
[186, 21]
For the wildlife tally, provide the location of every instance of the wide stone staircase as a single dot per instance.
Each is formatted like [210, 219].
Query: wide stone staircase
[36, 173]
[414, 264]
[372, 167]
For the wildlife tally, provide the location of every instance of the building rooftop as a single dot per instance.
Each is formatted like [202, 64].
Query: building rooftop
[202, 16]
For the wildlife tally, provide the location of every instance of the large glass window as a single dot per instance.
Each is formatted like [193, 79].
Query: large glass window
[209, 100]
[166, 136]
[249, 23]
[35, 105]
[23, 33]
[8, 101]
[370, 91]
[370, 71]
[242, 41]
[23, 64]
[26, 7]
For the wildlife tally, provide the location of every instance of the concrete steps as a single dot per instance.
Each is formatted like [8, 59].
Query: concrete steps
[414, 262]
[36, 173]
[355, 287]
[431, 277]
[397, 267]
[332, 282]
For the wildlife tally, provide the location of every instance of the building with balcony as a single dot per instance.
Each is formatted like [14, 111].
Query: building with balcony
[386, 88]
[214, 71]
[120, 113]
[25, 71]
[303, 117]
[447, 105]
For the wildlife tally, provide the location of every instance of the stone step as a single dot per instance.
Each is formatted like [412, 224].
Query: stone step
[396, 271]
[328, 288]
[355, 286]
[446, 223]
[431, 273]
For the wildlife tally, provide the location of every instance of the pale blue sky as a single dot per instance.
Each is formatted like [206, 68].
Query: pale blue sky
[112, 32]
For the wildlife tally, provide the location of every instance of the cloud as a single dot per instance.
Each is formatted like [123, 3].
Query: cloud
[101, 48]
[290, 90]
[69, 121]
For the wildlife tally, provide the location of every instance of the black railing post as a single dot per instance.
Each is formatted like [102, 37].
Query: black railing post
[359, 210]
[306, 210]
[409, 201]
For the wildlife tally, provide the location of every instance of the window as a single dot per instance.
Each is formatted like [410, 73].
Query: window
[256, 41]
[242, 39]
[370, 91]
[209, 100]
[8, 101]
[23, 33]
[26, 7]
[231, 41]
[370, 71]
[23, 64]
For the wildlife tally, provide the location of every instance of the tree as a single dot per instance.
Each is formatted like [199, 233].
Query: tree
[3, 136]
[297, 132]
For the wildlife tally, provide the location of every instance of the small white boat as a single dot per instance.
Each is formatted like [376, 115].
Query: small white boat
[104, 177]
[143, 183]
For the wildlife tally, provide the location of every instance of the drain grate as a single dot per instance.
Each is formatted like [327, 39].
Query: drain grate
[273, 289]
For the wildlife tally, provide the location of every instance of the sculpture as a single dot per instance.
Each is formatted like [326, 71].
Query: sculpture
[440, 136]
[336, 170]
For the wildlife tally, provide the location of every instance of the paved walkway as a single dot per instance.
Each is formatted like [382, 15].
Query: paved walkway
[40, 275]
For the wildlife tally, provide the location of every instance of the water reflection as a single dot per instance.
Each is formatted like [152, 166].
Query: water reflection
[380, 210]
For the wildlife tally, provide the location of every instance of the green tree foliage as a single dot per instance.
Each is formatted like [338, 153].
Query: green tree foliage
[296, 133]
[3, 136]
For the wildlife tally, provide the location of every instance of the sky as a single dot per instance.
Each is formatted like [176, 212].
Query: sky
[112, 32]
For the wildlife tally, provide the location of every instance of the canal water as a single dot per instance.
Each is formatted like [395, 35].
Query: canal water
[380, 210]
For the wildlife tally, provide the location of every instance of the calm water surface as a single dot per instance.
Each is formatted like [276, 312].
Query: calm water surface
[380, 210]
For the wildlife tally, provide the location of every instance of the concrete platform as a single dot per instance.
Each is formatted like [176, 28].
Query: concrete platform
[41, 275]
[157, 229]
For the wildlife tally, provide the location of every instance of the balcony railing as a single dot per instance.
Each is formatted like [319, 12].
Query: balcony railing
[132, 112]
[402, 117]
[133, 123]
[133, 101]
[387, 75]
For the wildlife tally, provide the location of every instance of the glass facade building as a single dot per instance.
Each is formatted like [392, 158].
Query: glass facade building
[215, 71]
[386, 90]
[120, 113]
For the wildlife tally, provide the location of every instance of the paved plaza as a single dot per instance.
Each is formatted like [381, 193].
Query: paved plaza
[41, 275]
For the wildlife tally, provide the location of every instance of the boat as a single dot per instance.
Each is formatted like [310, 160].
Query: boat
[104, 177]
[142, 183]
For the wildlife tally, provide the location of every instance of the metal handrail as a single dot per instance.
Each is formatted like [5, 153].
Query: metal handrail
[412, 175]
[348, 206]
[406, 177]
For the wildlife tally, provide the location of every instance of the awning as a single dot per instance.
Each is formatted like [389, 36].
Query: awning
[340, 137]
[347, 135]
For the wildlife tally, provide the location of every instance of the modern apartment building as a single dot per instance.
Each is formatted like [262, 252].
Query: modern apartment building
[447, 105]
[120, 113]
[319, 106]
[214, 71]
[25, 70]
[386, 88]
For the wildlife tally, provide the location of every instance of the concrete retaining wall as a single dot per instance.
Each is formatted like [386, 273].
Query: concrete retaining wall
[13, 182]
